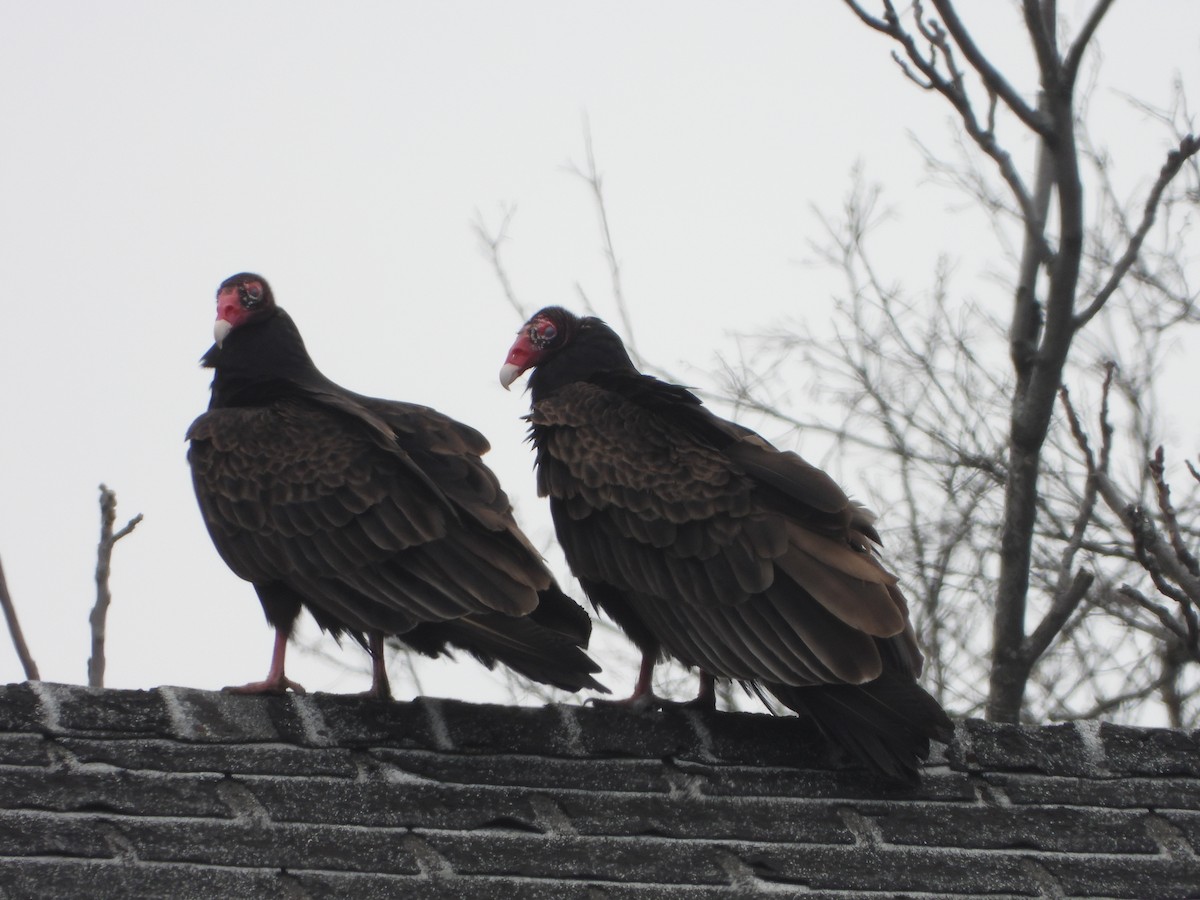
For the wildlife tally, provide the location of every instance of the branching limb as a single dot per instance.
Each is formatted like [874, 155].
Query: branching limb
[1070, 66]
[492, 241]
[1171, 567]
[14, 628]
[1169, 515]
[951, 85]
[1188, 147]
[591, 176]
[996, 83]
[99, 615]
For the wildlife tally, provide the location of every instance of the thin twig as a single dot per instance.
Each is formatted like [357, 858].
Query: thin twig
[14, 628]
[1188, 147]
[491, 242]
[591, 175]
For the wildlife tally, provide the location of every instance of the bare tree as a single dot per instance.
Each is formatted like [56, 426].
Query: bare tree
[952, 413]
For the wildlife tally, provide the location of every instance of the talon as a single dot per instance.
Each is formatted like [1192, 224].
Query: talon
[280, 685]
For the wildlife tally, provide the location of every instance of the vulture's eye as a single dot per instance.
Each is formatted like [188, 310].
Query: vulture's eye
[250, 294]
[542, 333]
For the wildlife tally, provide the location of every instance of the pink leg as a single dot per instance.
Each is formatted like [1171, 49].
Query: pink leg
[276, 682]
[643, 696]
[380, 689]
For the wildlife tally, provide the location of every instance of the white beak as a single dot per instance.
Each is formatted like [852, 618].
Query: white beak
[221, 331]
[508, 374]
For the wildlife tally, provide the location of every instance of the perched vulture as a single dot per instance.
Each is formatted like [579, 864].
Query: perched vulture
[376, 516]
[705, 543]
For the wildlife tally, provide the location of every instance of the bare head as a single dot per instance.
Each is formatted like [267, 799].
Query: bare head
[561, 347]
[241, 298]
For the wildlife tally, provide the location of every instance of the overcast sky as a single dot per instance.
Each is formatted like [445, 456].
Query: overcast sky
[150, 149]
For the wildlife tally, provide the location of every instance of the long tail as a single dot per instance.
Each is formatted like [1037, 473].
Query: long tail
[886, 724]
[528, 647]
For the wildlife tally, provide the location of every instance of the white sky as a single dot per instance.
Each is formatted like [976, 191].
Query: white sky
[149, 149]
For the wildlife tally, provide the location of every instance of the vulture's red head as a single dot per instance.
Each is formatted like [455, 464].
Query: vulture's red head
[563, 347]
[241, 298]
[537, 339]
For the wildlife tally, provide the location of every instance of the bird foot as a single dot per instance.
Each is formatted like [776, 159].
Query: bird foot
[702, 703]
[280, 685]
[638, 702]
[384, 694]
[648, 702]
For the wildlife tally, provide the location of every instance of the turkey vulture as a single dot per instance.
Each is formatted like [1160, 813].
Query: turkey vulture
[705, 543]
[376, 516]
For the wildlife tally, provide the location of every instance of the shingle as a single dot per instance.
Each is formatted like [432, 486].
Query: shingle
[1049, 749]
[242, 844]
[358, 721]
[327, 886]
[207, 716]
[1150, 751]
[21, 710]
[838, 784]
[1187, 823]
[494, 729]
[384, 804]
[760, 739]
[708, 818]
[575, 857]
[238, 759]
[1060, 829]
[31, 833]
[64, 790]
[23, 750]
[528, 770]
[1112, 791]
[55, 879]
[113, 713]
[616, 732]
[894, 870]
[1137, 878]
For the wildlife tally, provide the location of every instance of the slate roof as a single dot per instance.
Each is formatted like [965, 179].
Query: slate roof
[181, 793]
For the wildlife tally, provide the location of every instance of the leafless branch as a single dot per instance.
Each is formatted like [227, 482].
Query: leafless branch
[492, 241]
[99, 616]
[591, 176]
[1188, 147]
[14, 629]
[951, 86]
[996, 83]
[1171, 567]
[1070, 67]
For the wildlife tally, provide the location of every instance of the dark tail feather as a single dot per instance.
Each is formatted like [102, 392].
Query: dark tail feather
[528, 647]
[558, 612]
[886, 724]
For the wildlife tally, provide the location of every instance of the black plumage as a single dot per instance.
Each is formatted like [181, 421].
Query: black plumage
[705, 543]
[377, 516]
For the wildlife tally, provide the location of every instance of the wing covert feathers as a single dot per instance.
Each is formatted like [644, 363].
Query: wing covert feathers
[708, 544]
[381, 516]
